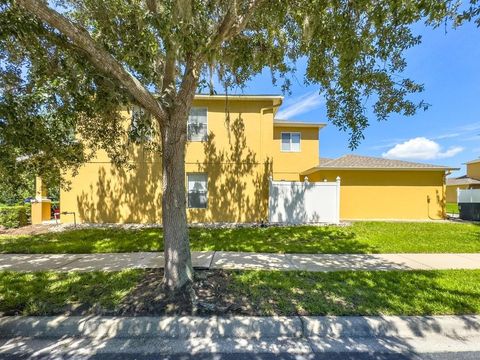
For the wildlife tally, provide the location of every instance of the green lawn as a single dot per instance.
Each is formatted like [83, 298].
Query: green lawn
[362, 237]
[452, 208]
[47, 293]
[264, 292]
[362, 292]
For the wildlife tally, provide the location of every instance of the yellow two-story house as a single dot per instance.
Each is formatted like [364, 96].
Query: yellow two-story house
[236, 145]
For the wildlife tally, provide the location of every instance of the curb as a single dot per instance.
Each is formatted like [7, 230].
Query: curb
[238, 327]
[167, 327]
[391, 326]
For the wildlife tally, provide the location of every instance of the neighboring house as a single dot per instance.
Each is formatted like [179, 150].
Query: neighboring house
[469, 181]
[229, 162]
[377, 188]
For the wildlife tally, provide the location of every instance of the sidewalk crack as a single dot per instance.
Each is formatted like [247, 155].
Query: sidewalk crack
[211, 260]
[69, 262]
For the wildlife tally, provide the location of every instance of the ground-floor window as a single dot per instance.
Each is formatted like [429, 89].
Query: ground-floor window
[197, 190]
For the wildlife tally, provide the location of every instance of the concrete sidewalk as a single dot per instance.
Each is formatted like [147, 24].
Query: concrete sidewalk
[306, 337]
[242, 261]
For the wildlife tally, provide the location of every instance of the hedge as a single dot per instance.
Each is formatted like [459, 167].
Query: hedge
[14, 216]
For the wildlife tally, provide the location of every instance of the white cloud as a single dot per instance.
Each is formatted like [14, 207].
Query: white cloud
[300, 105]
[470, 127]
[421, 148]
[447, 136]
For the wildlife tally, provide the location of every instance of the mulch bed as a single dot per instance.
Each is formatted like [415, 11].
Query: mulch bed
[212, 297]
[27, 230]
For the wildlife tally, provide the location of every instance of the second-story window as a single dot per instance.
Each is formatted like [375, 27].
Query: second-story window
[197, 126]
[291, 141]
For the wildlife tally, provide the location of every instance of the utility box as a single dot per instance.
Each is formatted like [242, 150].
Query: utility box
[469, 204]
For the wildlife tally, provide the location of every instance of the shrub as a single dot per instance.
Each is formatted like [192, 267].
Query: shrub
[14, 216]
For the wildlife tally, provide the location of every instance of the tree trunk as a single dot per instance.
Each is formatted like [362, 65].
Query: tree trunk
[178, 263]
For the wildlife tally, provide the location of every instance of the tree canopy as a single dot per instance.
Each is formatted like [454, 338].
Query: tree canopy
[51, 87]
[69, 66]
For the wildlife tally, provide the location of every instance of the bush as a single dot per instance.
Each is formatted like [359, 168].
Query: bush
[14, 216]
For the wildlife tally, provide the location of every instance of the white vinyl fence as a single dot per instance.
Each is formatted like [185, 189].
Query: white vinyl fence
[304, 202]
[468, 196]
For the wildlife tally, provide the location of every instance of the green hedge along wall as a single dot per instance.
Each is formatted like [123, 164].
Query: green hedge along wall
[14, 216]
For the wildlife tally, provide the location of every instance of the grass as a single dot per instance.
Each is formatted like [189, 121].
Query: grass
[362, 292]
[48, 293]
[452, 208]
[267, 292]
[359, 238]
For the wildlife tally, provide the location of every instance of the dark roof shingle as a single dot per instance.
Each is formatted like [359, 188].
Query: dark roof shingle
[463, 180]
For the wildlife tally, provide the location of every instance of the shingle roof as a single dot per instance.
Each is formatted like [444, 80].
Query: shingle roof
[463, 180]
[368, 162]
[323, 160]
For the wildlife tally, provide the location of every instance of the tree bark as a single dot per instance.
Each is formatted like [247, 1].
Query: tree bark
[178, 264]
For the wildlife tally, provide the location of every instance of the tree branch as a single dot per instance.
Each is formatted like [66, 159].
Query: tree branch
[188, 85]
[232, 24]
[98, 56]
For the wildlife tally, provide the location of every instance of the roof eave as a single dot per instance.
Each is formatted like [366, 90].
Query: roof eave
[277, 123]
[276, 98]
[309, 171]
[462, 183]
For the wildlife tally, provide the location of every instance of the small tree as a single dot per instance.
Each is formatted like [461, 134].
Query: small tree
[68, 66]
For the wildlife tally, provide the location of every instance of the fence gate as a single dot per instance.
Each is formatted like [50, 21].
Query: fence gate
[304, 202]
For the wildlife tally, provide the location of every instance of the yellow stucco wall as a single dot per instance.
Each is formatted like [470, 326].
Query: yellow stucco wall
[286, 165]
[240, 155]
[451, 192]
[388, 194]
[473, 170]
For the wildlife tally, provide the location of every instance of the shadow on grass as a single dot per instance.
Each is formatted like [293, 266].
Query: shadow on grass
[359, 238]
[298, 239]
[294, 239]
[258, 293]
[85, 241]
[360, 292]
[250, 292]
[52, 293]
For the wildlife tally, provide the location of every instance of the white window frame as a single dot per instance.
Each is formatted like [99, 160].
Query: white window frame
[290, 143]
[188, 191]
[206, 134]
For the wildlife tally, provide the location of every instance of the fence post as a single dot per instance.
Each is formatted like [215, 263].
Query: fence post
[270, 184]
[338, 199]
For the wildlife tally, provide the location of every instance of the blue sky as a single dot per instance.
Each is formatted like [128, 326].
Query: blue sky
[448, 133]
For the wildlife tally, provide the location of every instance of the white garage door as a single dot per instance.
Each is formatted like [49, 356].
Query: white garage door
[304, 202]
